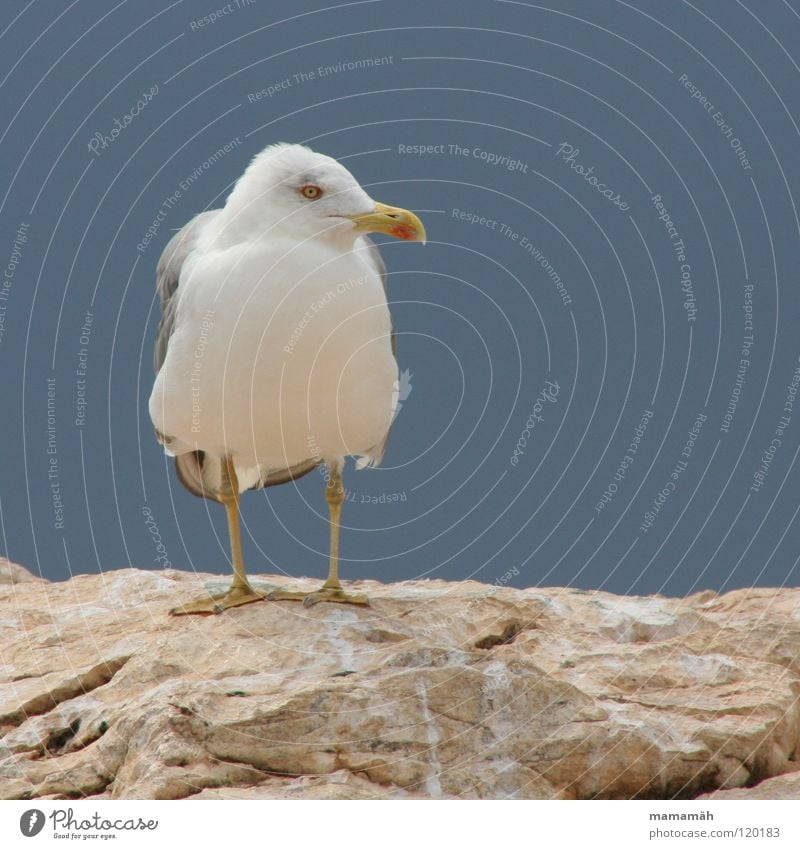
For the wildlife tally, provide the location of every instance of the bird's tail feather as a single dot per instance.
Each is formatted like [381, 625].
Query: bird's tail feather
[272, 477]
[201, 474]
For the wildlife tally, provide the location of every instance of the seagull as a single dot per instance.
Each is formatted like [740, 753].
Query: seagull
[275, 351]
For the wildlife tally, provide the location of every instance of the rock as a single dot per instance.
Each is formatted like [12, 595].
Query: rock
[438, 690]
[781, 787]
[335, 785]
[13, 573]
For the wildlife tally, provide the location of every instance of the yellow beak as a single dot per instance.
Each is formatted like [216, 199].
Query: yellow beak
[392, 220]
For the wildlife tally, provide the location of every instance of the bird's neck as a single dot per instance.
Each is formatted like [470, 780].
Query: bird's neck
[234, 227]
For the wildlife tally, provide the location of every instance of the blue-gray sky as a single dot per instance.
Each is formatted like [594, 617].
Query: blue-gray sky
[600, 335]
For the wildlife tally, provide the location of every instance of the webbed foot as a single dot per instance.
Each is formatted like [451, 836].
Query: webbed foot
[234, 597]
[334, 594]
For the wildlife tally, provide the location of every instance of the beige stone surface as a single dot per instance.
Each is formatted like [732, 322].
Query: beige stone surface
[13, 573]
[781, 787]
[443, 690]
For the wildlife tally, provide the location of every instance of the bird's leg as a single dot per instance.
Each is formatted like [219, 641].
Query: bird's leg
[240, 591]
[331, 590]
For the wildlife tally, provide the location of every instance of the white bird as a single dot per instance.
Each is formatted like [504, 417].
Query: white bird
[275, 350]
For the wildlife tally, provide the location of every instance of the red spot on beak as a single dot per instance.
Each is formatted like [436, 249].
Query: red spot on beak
[401, 231]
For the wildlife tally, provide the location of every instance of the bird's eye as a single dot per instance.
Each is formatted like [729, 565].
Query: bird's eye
[311, 192]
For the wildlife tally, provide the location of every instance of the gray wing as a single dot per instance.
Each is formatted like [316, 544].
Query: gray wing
[168, 275]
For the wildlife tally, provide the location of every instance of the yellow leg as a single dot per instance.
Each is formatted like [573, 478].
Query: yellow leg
[331, 590]
[240, 591]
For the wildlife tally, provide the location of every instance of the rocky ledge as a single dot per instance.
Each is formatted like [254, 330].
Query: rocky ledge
[452, 690]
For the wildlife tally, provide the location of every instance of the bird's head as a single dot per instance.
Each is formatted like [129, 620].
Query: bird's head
[291, 186]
